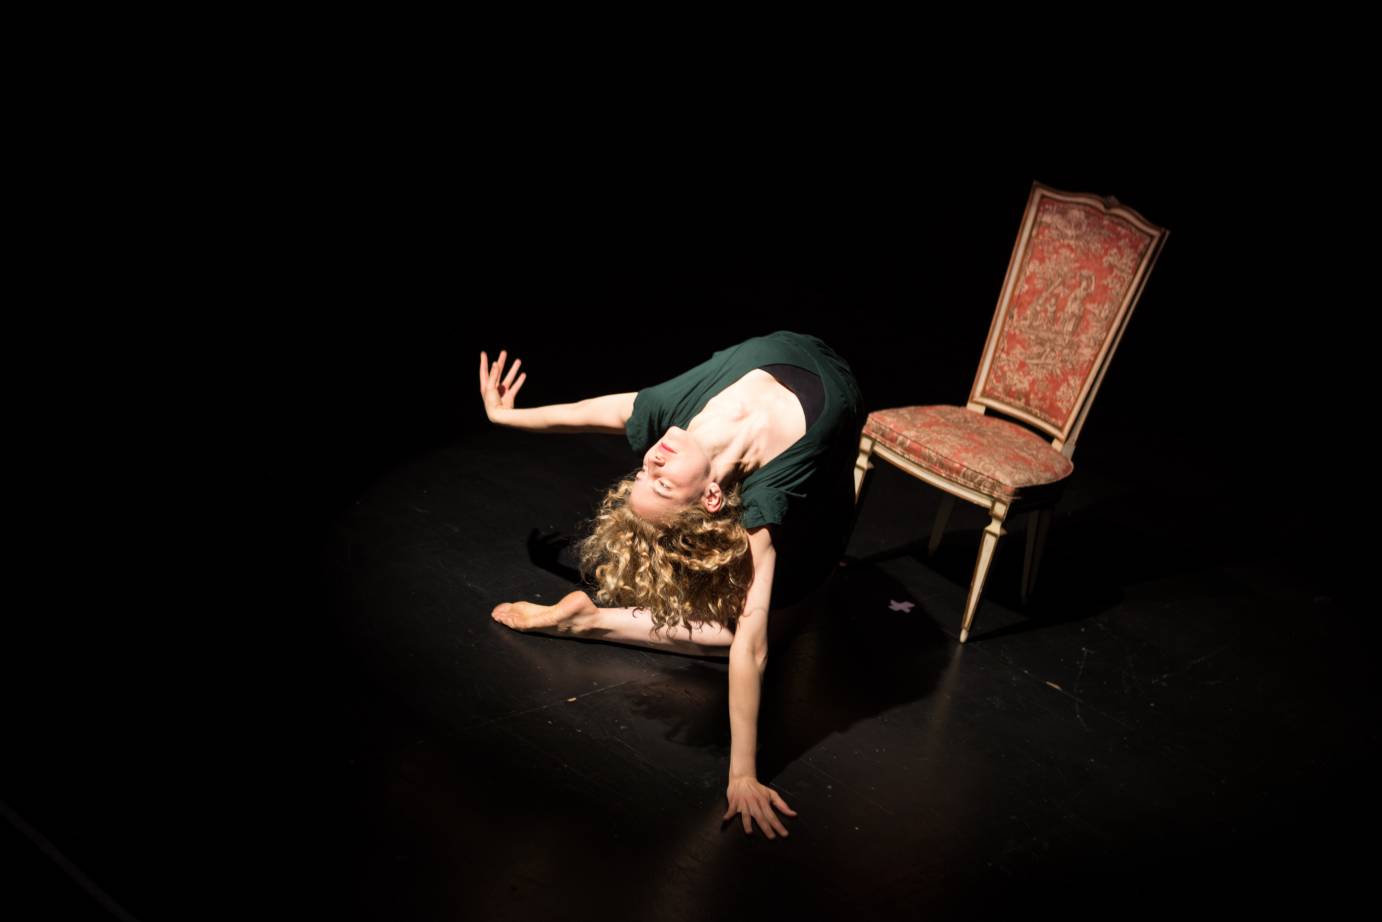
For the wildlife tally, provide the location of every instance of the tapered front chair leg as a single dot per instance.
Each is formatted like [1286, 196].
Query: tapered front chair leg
[988, 546]
[863, 465]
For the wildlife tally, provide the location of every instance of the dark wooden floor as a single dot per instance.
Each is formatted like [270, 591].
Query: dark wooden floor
[1169, 720]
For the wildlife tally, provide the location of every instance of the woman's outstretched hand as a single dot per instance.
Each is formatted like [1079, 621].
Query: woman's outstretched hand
[498, 395]
[753, 800]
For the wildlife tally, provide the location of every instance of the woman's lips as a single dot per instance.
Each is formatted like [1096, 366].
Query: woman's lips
[664, 447]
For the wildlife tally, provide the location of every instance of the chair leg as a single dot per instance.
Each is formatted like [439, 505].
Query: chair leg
[988, 546]
[938, 526]
[1038, 526]
[863, 465]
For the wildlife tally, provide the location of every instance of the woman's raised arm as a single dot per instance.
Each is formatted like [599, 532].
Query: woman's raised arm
[606, 414]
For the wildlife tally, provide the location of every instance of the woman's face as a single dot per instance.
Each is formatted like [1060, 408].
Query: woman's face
[673, 476]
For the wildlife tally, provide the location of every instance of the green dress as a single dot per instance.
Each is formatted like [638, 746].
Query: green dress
[807, 490]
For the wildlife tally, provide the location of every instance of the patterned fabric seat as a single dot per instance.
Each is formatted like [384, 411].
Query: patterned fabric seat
[987, 454]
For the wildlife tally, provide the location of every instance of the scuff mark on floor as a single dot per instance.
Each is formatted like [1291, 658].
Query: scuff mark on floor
[542, 707]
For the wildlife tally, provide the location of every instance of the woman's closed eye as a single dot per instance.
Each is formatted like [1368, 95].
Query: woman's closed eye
[662, 483]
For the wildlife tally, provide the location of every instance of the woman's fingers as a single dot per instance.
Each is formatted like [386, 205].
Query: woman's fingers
[768, 821]
[769, 824]
[492, 387]
[489, 374]
[758, 805]
[497, 369]
[514, 391]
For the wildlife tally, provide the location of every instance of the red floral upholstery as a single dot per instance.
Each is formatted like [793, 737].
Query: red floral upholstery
[988, 454]
[1077, 270]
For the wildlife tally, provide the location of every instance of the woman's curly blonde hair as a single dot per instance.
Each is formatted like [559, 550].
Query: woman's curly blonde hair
[695, 568]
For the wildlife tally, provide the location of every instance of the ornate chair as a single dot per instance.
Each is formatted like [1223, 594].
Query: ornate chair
[1077, 271]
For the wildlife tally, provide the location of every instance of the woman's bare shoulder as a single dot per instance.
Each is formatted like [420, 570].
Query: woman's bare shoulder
[623, 406]
[761, 539]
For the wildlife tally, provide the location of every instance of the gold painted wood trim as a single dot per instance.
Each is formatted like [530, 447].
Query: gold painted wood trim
[934, 479]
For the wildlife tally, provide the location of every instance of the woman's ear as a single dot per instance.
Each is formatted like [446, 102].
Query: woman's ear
[713, 500]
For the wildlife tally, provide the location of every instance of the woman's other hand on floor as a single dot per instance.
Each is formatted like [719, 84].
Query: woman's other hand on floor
[754, 801]
[498, 394]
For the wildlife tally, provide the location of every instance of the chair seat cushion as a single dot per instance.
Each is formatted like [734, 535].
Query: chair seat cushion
[994, 456]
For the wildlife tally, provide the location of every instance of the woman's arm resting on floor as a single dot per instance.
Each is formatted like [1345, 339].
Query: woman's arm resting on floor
[748, 657]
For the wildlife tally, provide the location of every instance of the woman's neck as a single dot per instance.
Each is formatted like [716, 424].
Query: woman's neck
[735, 436]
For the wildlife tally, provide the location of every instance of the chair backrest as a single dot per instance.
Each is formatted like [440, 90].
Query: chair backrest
[1077, 271]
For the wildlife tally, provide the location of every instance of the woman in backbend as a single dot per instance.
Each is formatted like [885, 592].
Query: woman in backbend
[742, 505]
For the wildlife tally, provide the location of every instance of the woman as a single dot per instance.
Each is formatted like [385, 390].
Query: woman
[742, 506]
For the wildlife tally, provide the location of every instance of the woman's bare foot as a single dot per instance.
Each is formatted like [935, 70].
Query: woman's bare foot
[527, 616]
